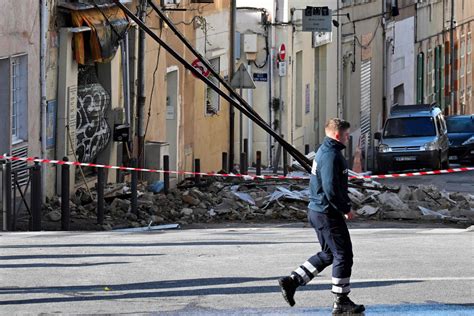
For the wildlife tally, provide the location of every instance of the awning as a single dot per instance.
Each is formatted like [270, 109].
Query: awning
[108, 25]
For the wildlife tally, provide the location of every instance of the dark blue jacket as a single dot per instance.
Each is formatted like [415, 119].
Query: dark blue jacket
[329, 178]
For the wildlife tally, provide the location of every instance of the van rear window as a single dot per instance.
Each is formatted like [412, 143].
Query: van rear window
[409, 127]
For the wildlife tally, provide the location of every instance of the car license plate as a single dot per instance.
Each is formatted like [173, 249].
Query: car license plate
[406, 158]
[453, 157]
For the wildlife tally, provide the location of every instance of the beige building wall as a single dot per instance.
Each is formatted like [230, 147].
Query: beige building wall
[199, 136]
[20, 35]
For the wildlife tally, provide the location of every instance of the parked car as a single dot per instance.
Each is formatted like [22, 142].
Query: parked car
[413, 137]
[461, 138]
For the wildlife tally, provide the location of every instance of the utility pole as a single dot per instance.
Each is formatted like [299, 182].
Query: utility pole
[451, 55]
[231, 74]
[141, 95]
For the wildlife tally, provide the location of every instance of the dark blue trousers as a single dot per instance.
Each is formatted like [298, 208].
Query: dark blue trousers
[336, 249]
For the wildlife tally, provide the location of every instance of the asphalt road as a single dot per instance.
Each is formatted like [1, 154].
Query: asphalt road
[398, 270]
[451, 182]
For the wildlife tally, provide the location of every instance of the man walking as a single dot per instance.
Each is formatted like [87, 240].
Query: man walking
[328, 208]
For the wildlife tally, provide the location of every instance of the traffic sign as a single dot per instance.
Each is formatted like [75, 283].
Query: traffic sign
[201, 68]
[241, 79]
[282, 52]
[317, 19]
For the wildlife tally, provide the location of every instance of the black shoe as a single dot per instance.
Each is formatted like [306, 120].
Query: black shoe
[288, 287]
[344, 306]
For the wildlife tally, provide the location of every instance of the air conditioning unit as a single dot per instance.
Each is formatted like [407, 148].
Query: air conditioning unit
[154, 152]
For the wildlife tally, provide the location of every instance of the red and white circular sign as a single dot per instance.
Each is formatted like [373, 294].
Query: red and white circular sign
[282, 52]
[200, 67]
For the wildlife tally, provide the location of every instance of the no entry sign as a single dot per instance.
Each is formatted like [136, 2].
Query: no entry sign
[200, 67]
[282, 52]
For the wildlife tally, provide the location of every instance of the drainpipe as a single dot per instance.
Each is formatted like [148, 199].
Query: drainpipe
[384, 63]
[338, 75]
[451, 56]
[43, 51]
[250, 123]
[232, 21]
[270, 34]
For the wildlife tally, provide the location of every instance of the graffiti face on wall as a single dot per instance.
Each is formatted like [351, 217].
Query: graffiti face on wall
[92, 131]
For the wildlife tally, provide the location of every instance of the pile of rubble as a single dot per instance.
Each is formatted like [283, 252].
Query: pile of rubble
[259, 201]
[424, 202]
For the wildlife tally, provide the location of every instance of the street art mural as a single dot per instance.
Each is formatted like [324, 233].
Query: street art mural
[92, 131]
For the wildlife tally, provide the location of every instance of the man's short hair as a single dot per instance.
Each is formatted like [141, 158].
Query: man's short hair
[337, 125]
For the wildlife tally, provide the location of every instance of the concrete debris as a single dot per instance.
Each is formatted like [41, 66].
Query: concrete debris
[367, 210]
[54, 216]
[221, 200]
[392, 202]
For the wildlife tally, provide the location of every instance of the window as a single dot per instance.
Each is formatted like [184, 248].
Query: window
[213, 104]
[14, 96]
[460, 125]
[409, 127]
[420, 69]
[399, 94]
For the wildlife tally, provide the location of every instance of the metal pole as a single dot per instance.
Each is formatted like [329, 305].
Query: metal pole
[366, 151]
[13, 222]
[166, 175]
[224, 162]
[242, 163]
[233, 10]
[451, 56]
[197, 169]
[259, 163]
[36, 197]
[249, 121]
[241, 127]
[277, 156]
[141, 95]
[65, 212]
[134, 189]
[285, 162]
[7, 197]
[100, 195]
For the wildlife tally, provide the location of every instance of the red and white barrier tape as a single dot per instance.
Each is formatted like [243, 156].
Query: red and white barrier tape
[93, 165]
[414, 174]
[214, 174]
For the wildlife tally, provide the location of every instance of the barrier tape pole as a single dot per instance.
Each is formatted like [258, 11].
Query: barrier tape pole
[228, 175]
